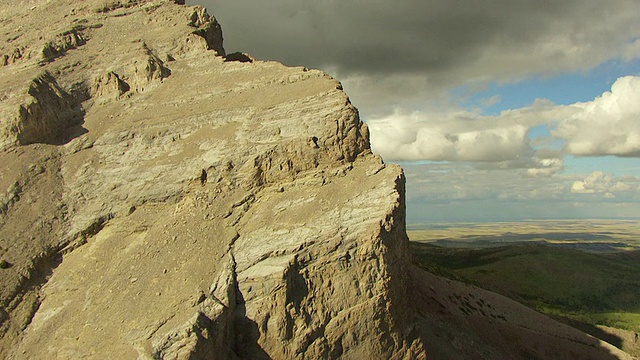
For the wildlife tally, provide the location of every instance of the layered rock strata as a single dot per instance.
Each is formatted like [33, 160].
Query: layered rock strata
[164, 200]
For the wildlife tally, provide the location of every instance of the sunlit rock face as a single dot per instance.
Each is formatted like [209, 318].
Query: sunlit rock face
[163, 200]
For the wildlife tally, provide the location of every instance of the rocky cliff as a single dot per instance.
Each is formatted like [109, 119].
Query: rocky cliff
[160, 199]
[166, 200]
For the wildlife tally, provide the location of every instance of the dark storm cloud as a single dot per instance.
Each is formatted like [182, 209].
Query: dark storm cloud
[499, 38]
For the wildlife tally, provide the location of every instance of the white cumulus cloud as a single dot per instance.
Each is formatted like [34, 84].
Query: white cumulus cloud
[608, 125]
[491, 142]
[598, 182]
[460, 136]
[546, 167]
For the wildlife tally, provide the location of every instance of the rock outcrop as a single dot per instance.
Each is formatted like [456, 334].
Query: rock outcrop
[164, 200]
[160, 199]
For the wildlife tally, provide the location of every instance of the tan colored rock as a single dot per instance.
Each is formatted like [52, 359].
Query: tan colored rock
[205, 208]
[159, 200]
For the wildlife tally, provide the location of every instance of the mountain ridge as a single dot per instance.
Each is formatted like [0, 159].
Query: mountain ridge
[167, 200]
[193, 202]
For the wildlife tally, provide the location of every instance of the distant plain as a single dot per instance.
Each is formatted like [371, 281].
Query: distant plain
[587, 235]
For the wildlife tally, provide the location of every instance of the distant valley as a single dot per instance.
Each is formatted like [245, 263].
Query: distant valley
[583, 273]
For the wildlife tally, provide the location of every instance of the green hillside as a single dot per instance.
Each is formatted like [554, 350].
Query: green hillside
[582, 288]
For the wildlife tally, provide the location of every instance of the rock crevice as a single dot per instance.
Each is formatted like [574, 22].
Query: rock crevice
[49, 114]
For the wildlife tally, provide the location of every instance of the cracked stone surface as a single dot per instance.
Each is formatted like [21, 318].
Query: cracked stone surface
[161, 199]
[166, 201]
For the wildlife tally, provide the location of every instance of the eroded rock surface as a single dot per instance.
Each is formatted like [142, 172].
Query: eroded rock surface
[163, 201]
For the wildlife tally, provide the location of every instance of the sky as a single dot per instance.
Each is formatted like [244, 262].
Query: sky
[500, 110]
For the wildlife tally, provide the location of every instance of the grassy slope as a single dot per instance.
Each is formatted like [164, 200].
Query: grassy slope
[586, 288]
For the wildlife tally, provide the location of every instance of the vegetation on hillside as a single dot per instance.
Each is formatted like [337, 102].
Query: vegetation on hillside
[580, 288]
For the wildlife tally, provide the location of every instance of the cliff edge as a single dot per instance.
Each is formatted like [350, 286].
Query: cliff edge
[161, 199]
[166, 200]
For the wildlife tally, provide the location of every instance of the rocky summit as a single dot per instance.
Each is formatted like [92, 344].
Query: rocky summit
[161, 199]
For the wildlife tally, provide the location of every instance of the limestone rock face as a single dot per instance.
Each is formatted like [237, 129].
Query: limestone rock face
[161, 200]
